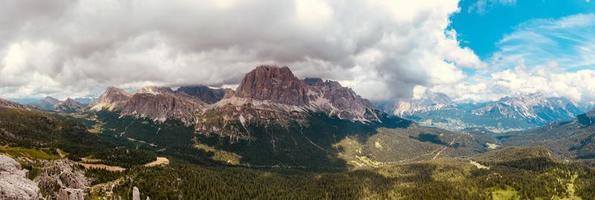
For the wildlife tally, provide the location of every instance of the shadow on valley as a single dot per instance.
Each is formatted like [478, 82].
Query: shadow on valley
[303, 146]
[428, 137]
[307, 146]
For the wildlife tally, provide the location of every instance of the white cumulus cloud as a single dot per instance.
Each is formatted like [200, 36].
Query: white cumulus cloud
[555, 57]
[78, 47]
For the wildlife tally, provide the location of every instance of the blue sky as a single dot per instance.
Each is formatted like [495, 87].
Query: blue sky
[528, 46]
[482, 28]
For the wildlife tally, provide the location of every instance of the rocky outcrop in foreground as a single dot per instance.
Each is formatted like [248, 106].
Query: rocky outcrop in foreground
[14, 184]
[63, 179]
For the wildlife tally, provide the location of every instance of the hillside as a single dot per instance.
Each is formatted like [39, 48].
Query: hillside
[573, 139]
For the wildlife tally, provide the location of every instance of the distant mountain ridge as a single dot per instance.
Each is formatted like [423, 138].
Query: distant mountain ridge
[267, 94]
[430, 102]
[508, 113]
[69, 105]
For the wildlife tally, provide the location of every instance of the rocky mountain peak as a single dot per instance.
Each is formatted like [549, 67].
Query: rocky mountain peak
[71, 101]
[69, 106]
[162, 105]
[343, 102]
[275, 84]
[204, 93]
[115, 93]
[113, 98]
[273, 95]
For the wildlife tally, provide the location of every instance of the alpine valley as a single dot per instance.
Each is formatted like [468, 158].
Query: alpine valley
[278, 136]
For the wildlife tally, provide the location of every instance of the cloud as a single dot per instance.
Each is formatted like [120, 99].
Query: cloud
[552, 56]
[578, 86]
[78, 47]
[569, 42]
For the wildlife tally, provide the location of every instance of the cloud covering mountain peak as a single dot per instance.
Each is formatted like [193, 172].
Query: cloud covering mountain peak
[78, 47]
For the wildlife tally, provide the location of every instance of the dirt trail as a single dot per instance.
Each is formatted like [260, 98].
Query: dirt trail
[103, 167]
[159, 162]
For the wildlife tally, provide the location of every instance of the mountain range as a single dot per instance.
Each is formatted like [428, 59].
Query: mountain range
[277, 132]
[266, 93]
[69, 105]
[506, 114]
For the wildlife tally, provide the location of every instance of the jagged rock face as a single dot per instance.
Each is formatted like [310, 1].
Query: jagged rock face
[112, 99]
[163, 106]
[14, 183]
[231, 117]
[204, 93]
[339, 101]
[155, 103]
[261, 100]
[279, 85]
[69, 106]
[63, 179]
[274, 84]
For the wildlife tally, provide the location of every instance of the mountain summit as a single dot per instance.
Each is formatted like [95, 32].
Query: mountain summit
[276, 84]
[112, 99]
